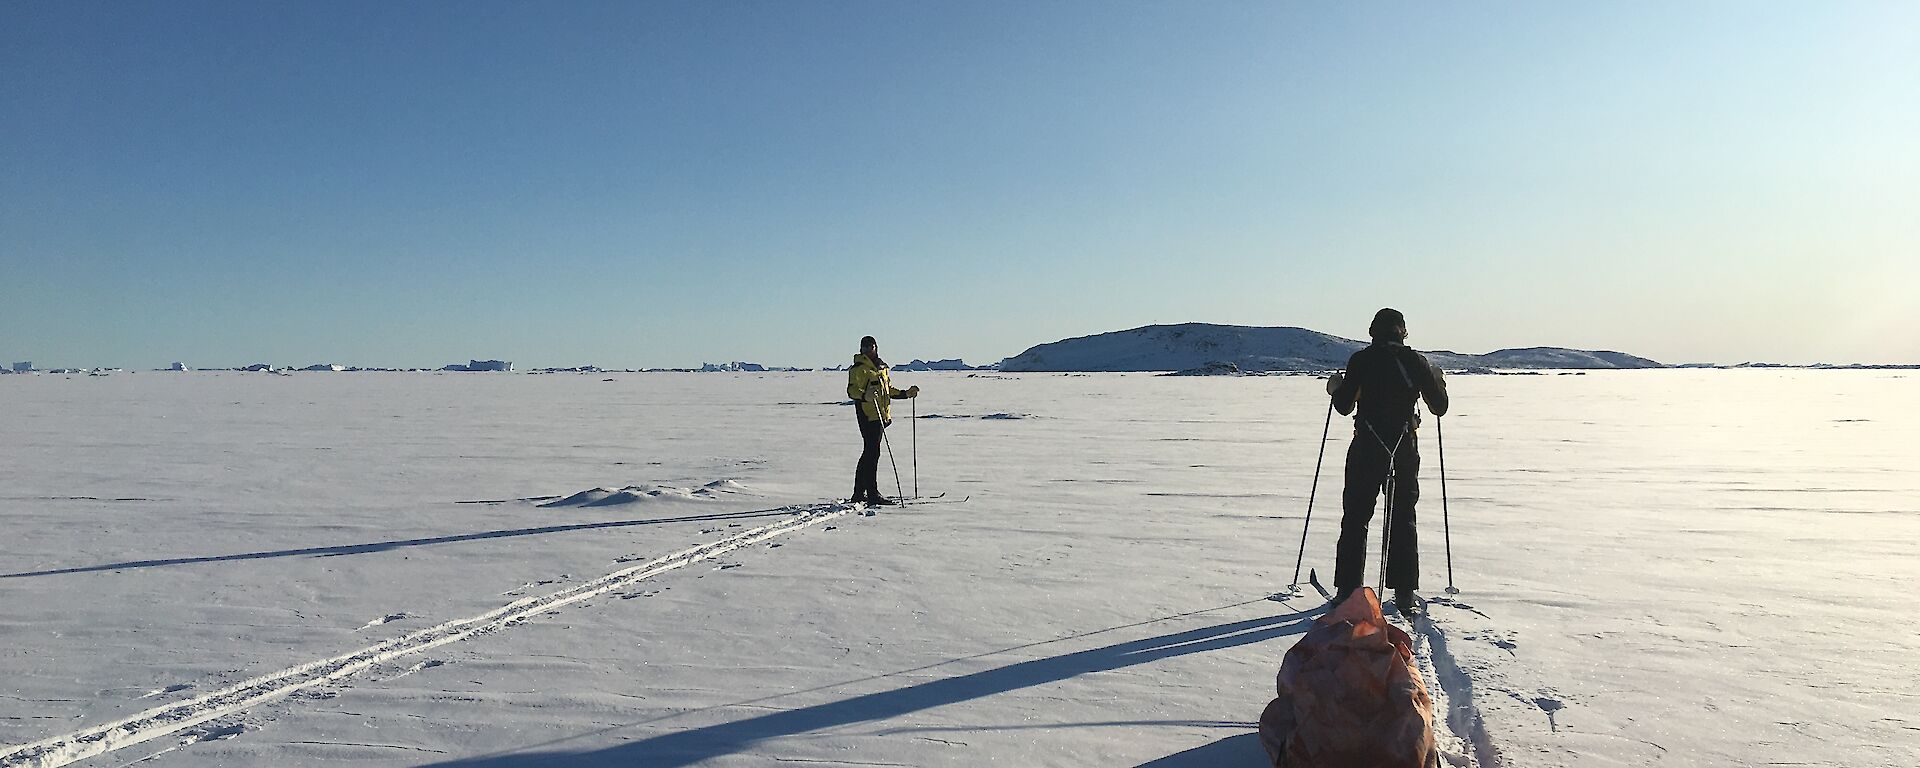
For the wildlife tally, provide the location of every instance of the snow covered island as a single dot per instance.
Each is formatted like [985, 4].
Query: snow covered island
[1252, 349]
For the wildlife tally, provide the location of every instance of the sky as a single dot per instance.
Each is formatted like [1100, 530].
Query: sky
[658, 184]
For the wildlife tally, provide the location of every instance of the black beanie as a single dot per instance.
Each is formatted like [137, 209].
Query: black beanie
[1386, 323]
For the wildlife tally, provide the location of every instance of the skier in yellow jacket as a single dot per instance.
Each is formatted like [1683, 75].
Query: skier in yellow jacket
[873, 394]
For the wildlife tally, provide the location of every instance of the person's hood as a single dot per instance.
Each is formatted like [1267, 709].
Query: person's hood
[861, 359]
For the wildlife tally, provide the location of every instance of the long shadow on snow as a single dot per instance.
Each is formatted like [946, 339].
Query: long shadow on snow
[382, 546]
[682, 748]
[1241, 750]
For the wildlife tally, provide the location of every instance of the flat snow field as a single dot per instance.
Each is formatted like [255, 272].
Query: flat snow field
[1671, 567]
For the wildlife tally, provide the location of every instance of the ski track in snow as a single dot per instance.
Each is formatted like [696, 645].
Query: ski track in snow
[1453, 692]
[171, 718]
[1460, 732]
[1462, 715]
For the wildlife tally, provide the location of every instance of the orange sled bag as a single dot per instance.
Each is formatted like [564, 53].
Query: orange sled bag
[1350, 696]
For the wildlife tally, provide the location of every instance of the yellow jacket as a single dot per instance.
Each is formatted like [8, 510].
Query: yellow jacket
[868, 385]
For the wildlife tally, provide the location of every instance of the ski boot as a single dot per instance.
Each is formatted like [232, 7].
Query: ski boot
[1408, 603]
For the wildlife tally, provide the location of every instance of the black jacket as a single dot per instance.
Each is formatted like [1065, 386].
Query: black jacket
[1385, 379]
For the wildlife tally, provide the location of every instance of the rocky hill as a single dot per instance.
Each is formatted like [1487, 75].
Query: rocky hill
[1257, 349]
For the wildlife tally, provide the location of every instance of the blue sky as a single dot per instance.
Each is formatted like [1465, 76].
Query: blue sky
[661, 184]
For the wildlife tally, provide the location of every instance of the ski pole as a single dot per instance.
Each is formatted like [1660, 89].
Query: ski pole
[1311, 492]
[913, 432]
[897, 491]
[1446, 524]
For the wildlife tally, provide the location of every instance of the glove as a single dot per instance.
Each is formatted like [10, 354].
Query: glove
[1335, 381]
[913, 391]
[887, 423]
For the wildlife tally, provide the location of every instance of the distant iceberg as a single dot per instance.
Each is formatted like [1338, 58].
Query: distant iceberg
[955, 364]
[481, 365]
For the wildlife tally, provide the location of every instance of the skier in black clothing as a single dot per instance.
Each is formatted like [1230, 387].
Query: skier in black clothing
[1385, 380]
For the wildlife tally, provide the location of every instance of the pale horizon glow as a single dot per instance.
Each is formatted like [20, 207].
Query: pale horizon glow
[661, 185]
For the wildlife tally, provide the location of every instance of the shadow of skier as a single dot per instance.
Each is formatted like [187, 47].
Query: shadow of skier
[1241, 750]
[384, 546]
[682, 748]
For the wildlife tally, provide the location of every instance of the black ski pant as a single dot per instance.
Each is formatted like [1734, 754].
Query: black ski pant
[1367, 460]
[866, 474]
